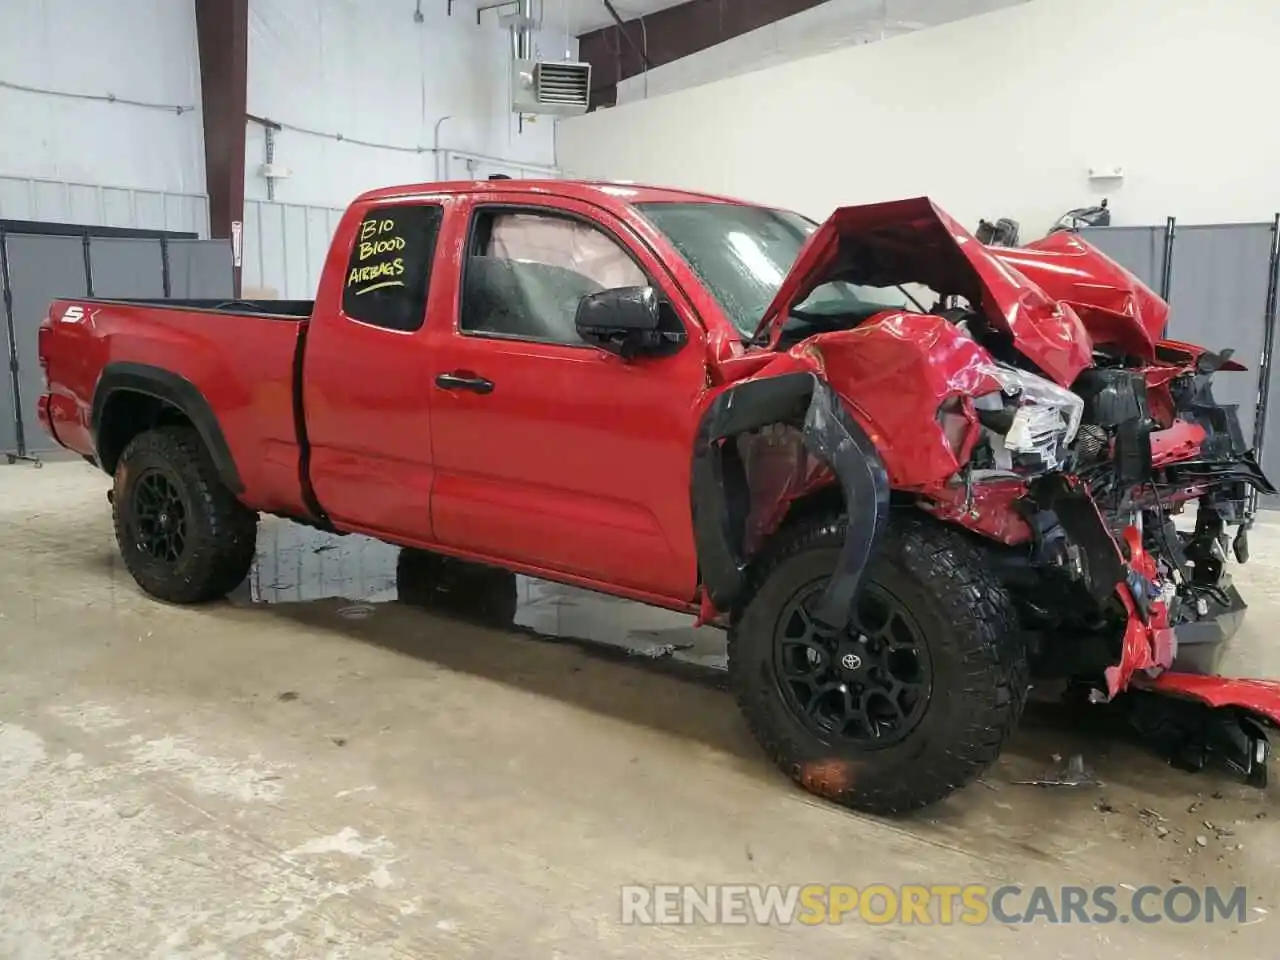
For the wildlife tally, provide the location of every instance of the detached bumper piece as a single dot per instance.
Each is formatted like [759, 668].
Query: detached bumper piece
[1194, 735]
[1239, 469]
[1202, 720]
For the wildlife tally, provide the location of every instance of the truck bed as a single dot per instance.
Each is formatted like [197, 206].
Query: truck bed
[239, 362]
[266, 309]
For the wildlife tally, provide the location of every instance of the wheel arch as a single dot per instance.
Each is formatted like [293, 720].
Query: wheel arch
[133, 397]
[721, 498]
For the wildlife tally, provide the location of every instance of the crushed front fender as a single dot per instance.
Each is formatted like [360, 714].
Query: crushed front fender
[793, 392]
[833, 436]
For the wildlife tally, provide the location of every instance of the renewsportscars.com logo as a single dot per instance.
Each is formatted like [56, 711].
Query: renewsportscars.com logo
[930, 904]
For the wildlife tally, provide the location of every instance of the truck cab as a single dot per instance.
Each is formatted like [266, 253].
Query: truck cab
[451, 400]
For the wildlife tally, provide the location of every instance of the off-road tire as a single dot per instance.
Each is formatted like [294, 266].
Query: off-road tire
[221, 533]
[978, 664]
[470, 591]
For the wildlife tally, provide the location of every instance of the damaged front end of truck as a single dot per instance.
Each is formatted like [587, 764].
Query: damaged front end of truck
[1036, 406]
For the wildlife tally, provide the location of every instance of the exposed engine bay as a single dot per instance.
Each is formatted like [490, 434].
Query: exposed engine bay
[1129, 465]
[1130, 468]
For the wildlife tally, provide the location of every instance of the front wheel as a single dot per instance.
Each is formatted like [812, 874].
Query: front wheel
[182, 534]
[906, 706]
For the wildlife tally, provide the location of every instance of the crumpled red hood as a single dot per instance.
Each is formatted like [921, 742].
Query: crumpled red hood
[1117, 308]
[1048, 296]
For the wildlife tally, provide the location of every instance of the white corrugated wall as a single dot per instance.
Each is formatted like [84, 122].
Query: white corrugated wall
[364, 92]
[98, 93]
[285, 244]
[284, 248]
[32, 198]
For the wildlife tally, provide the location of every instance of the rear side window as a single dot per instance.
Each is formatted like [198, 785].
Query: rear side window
[389, 272]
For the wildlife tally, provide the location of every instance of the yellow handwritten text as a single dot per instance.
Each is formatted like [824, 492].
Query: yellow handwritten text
[374, 247]
[389, 268]
[371, 228]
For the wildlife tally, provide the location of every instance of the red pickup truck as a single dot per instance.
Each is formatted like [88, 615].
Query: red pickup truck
[908, 472]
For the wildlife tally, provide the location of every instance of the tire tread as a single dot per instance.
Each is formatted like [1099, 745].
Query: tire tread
[224, 552]
[993, 667]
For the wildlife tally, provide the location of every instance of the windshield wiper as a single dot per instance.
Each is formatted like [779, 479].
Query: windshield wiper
[918, 305]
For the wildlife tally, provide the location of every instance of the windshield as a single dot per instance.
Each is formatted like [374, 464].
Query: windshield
[742, 254]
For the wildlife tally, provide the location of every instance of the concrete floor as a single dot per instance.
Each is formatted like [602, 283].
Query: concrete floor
[307, 771]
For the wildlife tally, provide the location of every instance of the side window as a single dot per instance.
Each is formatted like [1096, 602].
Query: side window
[526, 272]
[389, 271]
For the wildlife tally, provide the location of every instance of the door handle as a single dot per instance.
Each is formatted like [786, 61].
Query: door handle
[464, 381]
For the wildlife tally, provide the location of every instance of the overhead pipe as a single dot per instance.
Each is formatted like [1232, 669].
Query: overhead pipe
[551, 172]
[521, 45]
[441, 155]
[435, 146]
[522, 32]
[494, 6]
[642, 52]
[269, 130]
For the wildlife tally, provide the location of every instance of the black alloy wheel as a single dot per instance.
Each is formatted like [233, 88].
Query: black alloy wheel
[183, 535]
[869, 685]
[158, 520]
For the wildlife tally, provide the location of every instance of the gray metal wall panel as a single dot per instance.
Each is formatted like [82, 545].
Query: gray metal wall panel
[8, 422]
[123, 268]
[1217, 299]
[200, 269]
[1140, 250]
[41, 269]
[1271, 434]
[8, 403]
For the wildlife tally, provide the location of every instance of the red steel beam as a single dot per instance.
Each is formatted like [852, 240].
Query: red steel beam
[222, 36]
[618, 52]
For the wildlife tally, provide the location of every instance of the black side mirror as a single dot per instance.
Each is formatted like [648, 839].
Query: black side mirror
[628, 321]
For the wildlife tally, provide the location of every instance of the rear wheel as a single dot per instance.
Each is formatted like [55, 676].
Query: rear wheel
[182, 534]
[909, 704]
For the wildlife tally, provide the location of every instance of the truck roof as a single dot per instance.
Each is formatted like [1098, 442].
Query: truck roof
[591, 191]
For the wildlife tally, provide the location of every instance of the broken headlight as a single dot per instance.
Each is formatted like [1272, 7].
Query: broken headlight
[1029, 423]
